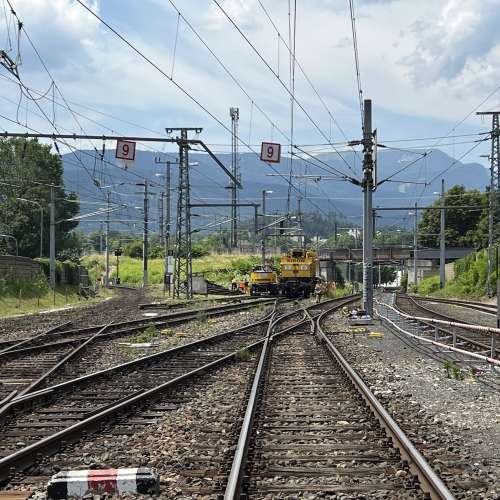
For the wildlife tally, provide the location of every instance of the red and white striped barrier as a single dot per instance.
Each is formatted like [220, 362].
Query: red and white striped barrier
[78, 483]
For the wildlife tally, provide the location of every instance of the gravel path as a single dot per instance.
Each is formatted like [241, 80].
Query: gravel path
[454, 423]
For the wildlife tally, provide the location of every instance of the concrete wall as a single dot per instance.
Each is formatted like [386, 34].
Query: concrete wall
[18, 267]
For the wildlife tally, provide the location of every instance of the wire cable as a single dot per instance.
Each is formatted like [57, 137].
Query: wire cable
[176, 84]
[266, 63]
[306, 77]
[356, 60]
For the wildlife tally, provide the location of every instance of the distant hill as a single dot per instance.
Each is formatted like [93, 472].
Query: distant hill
[209, 181]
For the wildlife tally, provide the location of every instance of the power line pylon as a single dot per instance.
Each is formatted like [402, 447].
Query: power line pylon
[183, 268]
[493, 199]
[235, 115]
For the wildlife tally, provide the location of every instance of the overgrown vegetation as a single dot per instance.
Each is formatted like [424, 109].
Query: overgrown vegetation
[147, 335]
[218, 268]
[453, 370]
[201, 317]
[471, 274]
[243, 355]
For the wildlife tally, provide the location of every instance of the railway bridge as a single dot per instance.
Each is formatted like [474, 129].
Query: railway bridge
[427, 259]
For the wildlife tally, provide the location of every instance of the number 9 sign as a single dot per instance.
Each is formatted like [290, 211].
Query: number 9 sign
[125, 150]
[270, 152]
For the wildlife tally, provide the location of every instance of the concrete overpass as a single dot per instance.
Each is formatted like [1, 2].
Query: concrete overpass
[427, 259]
[391, 254]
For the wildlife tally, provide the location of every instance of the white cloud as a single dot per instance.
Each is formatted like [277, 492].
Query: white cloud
[244, 12]
[92, 66]
[456, 44]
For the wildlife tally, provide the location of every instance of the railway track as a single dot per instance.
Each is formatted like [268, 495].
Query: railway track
[32, 363]
[453, 334]
[41, 422]
[313, 428]
[477, 306]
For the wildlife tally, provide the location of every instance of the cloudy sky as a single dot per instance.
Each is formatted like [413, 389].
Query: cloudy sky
[425, 64]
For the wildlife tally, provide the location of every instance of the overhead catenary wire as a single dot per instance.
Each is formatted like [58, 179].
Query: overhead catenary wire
[228, 72]
[283, 84]
[305, 75]
[175, 83]
[100, 124]
[25, 89]
[460, 122]
[356, 60]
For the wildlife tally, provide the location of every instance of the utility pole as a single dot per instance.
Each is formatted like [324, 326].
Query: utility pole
[167, 278]
[235, 115]
[442, 242]
[145, 234]
[106, 267]
[415, 244]
[493, 204]
[166, 224]
[161, 219]
[368, 186]
[263, 242]
[145, 245]
[52, 238]
[264, 231]
[183, 256]
[299, 220]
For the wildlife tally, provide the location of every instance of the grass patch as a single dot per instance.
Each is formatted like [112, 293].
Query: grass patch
[243, 355]
[147, 335]
[453, 370]
[201, 317]
[217, 268]
[31, 296]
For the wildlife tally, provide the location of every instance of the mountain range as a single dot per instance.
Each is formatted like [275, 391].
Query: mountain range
[419, 179]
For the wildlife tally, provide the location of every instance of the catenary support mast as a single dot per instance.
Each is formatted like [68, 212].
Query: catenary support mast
[493, 200]
[368, 186]
[235, 115]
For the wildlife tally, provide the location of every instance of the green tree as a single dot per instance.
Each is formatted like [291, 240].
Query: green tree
[464, 227]
[133, 249]
[387, 274]
[27, 169]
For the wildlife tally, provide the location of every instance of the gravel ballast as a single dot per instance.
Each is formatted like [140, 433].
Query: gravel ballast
[107, 353]
[188, 445]
[454, 423]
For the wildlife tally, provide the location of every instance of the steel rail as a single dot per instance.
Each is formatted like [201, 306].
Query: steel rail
[478, 306]
[465, 326]
[229, 298]
[191, 313]
[46, 376]
[17, 345]
[25, 457]
[28, 400]
[234, 483]
[430, 482]
[135, 325]
[446, 318]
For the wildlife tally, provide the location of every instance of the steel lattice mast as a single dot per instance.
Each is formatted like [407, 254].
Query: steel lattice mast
[493, 200]
[183, 275]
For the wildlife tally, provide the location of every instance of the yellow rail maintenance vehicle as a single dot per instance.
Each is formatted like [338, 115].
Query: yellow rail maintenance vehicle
[298, 273]
[264, 280]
